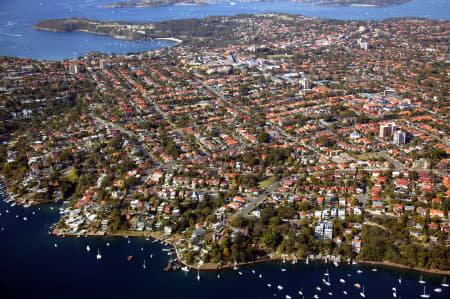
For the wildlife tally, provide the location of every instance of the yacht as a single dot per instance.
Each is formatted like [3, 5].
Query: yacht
[357, 285]
[327, 281]
[269, 285]
[218, 276]
[374, 270]
[437, 290]
[341, 280]
[326, 273]
[307, 260]
[318, 288]
[344, 292]
[280, 287]
[300, 292]
[143, 266]
[288, 297]
[88, 248]
[363, 294]
[260, 276]
[283, 270]
[400, 280]
[185, 269]
[424, 295]
[99, 256]
[421, 279]
[359, 271]
[198, 274]
[444, 283]
[316, 296]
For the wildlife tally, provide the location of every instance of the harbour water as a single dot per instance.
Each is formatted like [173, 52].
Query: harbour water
[18, 39]
[32, 267]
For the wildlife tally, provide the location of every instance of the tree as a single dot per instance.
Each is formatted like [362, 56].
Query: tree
[271, 239]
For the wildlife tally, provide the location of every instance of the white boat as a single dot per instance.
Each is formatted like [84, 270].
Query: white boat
[330, 293]
[269, 285]
[421, 279]
[336, 264]
[198, 274]
[88, 248]
[143, 266]
[316, 296]
[253, 271]
[235, 267]
[400, 280]
[185, 269]
[240, 273]
[151, 255]
[280, 287]
[362, 293]
[318, 288]
[326, 273]
[424, 295]
[359, 271]
[260, 276]
[25, 218]
[283, 270]
[107, 244]
[356, 285]
[341, 280]
[374, 270]
[394, 289]
[394, 294]
[327, 281]
[444, 283]
[99, 256]
[344, 292]
[218, 276]
[288, 297]
[437, 290]
[300, 292]
[307, 260]
[56, 245]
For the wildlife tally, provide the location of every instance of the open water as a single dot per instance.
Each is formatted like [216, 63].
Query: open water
[18, 39]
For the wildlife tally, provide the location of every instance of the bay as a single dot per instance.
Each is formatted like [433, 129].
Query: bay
[32, 267]
[18, 39]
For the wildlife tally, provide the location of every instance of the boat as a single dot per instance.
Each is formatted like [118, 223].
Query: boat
[280, 287]
[260, 276]
[400, 280]
[424, 295]
[253, 271]
[300, 292]
[327, 281]
[143, 266]
[218, 276]
[359, 271]
[294, 261]
[374, 270]
[394, 293]
[421, 281]
[240, 273]
[269, 285]
[318, 288]
[307, 260]
[88, 248]
[362, 294]
[235, 267]
[129, 258]
[288, 297]
[185, 269]
[341, 280]
[99, 256]
[198, 274]
[444, 283]
[56, 245]
[316, 296]
[437, 290]
[330, 293]
[283, 270]
[326, 273]
[151, 256]
[336, 264]
[25, 218]
[344, 292]
[357, 285]
[107, 244]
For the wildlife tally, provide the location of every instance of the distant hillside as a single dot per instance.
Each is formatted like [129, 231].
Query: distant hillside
[154, 3]
[378, 3]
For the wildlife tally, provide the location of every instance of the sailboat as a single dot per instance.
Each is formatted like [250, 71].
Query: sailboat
[88, 248]
[326, 273]
[341, 280]
[307, 260]
[327, 281]
[300, 292]
[143, 266]
[400, 280]
[444, 283]
[198, 274]
[424, 295]
[99, 256]
[394, 292]
[421, 279]
[363, 294]
[235, 266]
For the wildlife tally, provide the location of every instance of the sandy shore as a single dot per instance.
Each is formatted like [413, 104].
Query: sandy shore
[399, 266]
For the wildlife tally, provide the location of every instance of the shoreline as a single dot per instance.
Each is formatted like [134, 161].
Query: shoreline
[400, 266]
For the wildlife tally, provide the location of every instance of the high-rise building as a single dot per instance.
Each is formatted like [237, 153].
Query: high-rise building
[399, 137]
[385, 130]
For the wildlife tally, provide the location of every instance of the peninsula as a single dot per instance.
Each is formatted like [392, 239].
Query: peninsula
[154, 3]
[260, 136]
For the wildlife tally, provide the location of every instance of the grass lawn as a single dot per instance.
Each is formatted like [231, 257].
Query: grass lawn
[266, 183]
